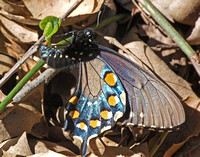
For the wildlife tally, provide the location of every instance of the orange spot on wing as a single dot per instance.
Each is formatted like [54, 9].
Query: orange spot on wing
[94, 123]
[73, 100]
[82, 125]
[112, 101]
[110, 79]
[104, 114]
[74, 114]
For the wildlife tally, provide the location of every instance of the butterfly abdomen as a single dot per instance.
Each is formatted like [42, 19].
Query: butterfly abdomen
[55, 57]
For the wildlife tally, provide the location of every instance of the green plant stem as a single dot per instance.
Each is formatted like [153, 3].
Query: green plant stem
[19, 86]
[185, 47]
[158, 143]
[110, 20]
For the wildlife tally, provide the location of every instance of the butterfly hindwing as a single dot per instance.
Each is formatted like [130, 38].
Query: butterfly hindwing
[98, 102]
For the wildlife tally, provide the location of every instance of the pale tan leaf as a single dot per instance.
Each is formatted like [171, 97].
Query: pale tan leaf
[21, 147]
[20, 18]
[49, 153]
[147, 56]
[24, 34]
[45, 146]
[6, 63]
[21, 118]
[186, 11]
[194, 37]
[41, 9]
[14, 8]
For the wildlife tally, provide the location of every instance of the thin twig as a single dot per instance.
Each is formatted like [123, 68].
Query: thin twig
[31, 51]
[34, 48]
[29, 88]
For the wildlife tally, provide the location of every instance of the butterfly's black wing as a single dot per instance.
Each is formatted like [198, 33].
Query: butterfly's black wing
[152, 104]
[111, 89]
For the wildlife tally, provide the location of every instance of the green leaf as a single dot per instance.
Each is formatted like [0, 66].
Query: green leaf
[50, 25]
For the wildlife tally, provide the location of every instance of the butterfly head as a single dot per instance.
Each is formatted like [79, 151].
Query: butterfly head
[82, 46]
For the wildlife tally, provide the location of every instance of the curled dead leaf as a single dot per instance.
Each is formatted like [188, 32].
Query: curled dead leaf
[185, 12]
[22, 33]
[194, 37]
[6, 63]
[142, 54]
[21, 118]
[41, 9]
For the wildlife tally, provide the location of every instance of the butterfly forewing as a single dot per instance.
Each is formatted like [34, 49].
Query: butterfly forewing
[152, 103]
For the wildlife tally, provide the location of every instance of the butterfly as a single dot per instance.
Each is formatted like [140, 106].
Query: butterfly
[111, 89]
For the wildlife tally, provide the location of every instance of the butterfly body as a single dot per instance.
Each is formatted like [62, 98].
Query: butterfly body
[111, 89]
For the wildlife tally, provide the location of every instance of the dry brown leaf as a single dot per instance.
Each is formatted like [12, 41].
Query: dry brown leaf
[49, 153]
[107, 147]
[188, 130]
[185, 12]
[194, 37]
[21, 118]
[22, 33]
[6, 64]
[6, 154]
[192, 116]
[45, 146]
[147, 56]
[154, 34]
[16, 146]
[173, 149]
[20, 18]
[193, 102]
[41, 9]
[165, 47]
[2, 97]
[117, 151]
[21, 147]
[16, 7]
[15, 49]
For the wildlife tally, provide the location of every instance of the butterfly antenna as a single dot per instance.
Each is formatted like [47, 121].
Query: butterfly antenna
[98, 19]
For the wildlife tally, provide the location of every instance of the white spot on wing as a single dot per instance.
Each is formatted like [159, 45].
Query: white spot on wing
[110, 115]
[142, 115]
[66, 111]
[105, 128]
[89, 103]
[118, 115]
[123, 98]
[131, 115]
[85, 127]
[132, 124]
[116, 99]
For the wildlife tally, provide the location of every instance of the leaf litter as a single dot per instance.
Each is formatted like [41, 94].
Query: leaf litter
[31, 129]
